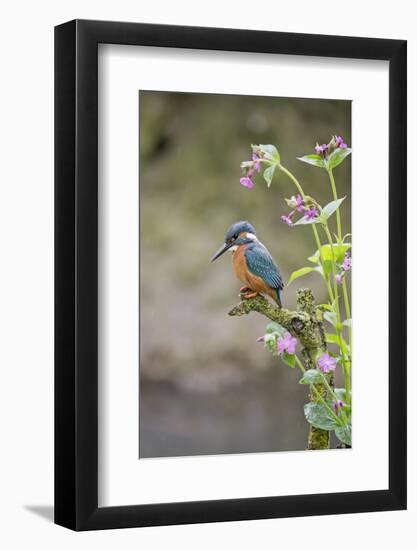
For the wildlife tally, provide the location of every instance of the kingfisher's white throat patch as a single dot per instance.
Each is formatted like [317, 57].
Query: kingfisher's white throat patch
[233, 248]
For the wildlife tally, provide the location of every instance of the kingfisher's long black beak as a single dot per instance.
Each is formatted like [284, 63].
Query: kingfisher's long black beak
[221, 251]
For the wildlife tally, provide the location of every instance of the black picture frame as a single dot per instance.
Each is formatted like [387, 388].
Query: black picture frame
[76, 273]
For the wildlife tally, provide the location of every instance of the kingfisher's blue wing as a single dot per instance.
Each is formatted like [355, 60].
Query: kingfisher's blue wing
[261, 263]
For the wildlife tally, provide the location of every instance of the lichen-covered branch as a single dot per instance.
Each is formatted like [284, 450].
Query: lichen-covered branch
[306, 324]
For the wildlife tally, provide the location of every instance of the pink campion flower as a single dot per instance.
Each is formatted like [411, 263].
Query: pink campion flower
[340, 143]
[288, 343]
[311, 213]
[299, 203]
[326, 363]
[347, 262]
[339, 278]
[261, 339]
[321, 149]
[286, 219]
[247, 182]
[256, 162]
[337, 406]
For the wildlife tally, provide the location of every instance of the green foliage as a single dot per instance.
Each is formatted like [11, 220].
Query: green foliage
[327, 267]
[314, 160]
[332, 338]
[275, 327]
[330, 317]
[319, 416]
[339, 250]
[339, 341]
[344, 433]
[333, 160]
[288, 359]
[315, 258]
[270, 152]
[337, 157]
[269, 174]
[307, 221]
[330, 209]
[299, 273]
[341, 394]
[322, 413]
[273, 332]
[326, 212]
[312, 376]
[270, 342]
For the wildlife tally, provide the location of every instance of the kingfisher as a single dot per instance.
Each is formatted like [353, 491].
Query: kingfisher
[252, 262]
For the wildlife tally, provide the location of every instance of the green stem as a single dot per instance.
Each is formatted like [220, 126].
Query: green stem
[329, 238]
[345, 361]
[339, 224]
[315, 232]
[293, 179]
[339, 234]
[329, 388]
[347, 308]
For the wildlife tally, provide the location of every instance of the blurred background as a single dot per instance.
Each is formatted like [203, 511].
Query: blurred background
[206, 386]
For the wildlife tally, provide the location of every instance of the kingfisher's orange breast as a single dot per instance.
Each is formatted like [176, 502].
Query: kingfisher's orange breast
[239, 264]
[242, 272]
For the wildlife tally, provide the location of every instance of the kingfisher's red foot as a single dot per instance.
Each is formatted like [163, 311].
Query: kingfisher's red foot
[250, 295]
[244, 288]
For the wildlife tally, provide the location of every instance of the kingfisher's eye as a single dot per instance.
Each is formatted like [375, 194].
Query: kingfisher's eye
[235, 236]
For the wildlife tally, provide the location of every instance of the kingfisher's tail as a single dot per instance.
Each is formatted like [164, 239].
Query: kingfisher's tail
[279, 297]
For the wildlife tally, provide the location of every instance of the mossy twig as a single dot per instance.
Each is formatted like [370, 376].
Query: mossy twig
[306, 324]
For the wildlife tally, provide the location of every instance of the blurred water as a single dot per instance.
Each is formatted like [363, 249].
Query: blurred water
[255, 416]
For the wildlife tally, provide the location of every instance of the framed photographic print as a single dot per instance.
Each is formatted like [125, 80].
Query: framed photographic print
[230, 275]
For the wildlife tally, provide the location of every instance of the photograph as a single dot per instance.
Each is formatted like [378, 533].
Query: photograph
[244, 274]
[207, 237]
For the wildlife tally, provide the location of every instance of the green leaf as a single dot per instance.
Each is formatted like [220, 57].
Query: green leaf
[347, 323]
[312, 376]
[344, 433]
[330, 316]
[339, 251]
[288, 359]
[315, 258]
[270, 342]
[306, 221]
[332, 338]
[341, 394]
[269, 174]
[330, 209]
[271, 152]
[317, 415]
[327, 267]
[275, 327]
[315, 160]
[337, 157]
[299, 273]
